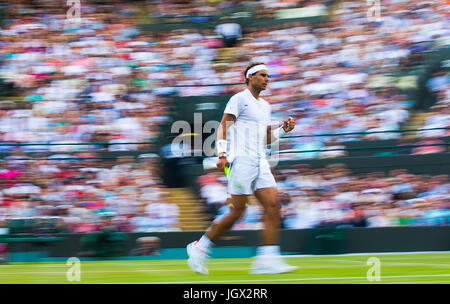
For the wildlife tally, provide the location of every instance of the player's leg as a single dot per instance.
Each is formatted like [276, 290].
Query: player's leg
[271, 216]
[265, 192]
[237, 208]
[198, 250]
[242, 174]
[268, 259]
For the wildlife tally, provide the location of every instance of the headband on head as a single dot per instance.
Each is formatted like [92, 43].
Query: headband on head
[255, 69]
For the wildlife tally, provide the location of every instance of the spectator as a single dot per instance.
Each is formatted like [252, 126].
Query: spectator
[4, 255]
[230, 31]
[146, 246]
[213, 191]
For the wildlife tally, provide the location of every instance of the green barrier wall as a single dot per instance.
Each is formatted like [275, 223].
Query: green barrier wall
[318, 241]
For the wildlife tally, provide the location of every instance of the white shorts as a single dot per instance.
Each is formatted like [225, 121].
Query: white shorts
[247, 175]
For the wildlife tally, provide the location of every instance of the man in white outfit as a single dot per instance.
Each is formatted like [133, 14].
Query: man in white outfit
[247, 121]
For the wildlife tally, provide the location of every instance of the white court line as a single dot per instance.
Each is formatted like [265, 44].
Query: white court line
[104, 271]
[418, 282]
[150, 263]
[366, 253]
[212, 266]
[218, 260]
[393, 263]
[304, 279]
[184, 262]
[212, 263]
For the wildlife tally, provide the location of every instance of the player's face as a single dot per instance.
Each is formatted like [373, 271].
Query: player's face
[260, 80]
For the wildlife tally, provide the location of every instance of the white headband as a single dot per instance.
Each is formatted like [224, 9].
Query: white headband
[255, 69]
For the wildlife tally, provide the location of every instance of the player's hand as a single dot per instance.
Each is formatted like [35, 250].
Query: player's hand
[288, 124]
[221, 163]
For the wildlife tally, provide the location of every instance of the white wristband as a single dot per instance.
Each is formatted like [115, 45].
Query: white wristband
[279, 133]
[221, 146]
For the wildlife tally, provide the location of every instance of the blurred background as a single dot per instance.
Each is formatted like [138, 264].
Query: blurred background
[87, 105]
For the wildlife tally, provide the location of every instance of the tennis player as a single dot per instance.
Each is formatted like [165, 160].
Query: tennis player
[247, 121]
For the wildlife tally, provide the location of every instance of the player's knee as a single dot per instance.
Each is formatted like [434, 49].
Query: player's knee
[273, 210]
[236, 212]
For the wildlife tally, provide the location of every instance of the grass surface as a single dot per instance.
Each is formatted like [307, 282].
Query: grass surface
[394, 268]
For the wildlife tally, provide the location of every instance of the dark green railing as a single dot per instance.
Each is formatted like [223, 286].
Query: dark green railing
[152, 142]
[324, 149]
[208, 85]
[363, 148]
[365, 133]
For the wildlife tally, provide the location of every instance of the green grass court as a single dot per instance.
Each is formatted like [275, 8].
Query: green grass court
[337, 269]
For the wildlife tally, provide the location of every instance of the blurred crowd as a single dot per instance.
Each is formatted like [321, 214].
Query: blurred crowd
[100, 78]
[79, 80]
[333, 196]
[103, 79]
[50, 196]
[345, 66]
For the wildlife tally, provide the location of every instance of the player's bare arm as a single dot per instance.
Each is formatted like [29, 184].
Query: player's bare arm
[227, 121]
[274, 135]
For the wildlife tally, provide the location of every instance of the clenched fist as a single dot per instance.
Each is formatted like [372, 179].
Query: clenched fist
[288, 124]
[222, 163]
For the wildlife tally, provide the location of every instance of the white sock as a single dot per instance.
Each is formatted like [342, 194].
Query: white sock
[268, 251]
[204, 243]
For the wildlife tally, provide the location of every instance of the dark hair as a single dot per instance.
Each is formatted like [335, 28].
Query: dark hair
[248, 68]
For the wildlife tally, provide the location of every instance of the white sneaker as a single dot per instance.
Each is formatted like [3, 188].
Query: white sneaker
[197, 258]
[270, 265]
